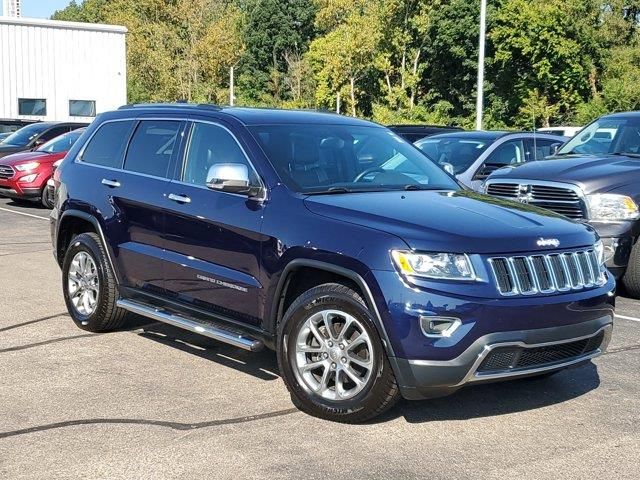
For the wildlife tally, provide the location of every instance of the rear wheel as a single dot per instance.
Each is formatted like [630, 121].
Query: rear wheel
[631, 279]
[332, 359]
[89, 286]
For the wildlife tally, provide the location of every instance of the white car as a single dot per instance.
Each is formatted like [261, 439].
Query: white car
[561, 131]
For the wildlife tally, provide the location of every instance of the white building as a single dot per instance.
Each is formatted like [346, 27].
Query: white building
[52, 70]
[11, 8]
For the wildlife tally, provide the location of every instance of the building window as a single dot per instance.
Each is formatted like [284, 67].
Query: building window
[82, 108]
[32, 106]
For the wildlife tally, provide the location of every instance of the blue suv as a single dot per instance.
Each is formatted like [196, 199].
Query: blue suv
[369, 270]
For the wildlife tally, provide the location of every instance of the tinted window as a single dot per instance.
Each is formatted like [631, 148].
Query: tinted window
[334, 158]
[151, 147]
[32, 106]
[540, 148]
[211, 145]
[53, 133]
[82, 108]
[459, 152]
[107, 146]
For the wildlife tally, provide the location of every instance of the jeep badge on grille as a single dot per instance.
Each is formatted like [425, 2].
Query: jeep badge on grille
[548, 242]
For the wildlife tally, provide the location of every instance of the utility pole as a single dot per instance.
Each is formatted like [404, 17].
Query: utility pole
[231, 87]
[480, 97]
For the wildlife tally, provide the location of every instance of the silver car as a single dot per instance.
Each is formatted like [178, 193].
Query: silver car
[473, 156]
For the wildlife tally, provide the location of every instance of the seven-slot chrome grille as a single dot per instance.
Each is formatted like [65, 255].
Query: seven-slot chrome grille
[562, 199]
[6, 171]
[548, 273]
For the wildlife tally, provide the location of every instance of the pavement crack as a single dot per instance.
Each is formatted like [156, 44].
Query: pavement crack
[622, 349]
[24, 253]
[30, 322]
[159, 423]
[46, 342]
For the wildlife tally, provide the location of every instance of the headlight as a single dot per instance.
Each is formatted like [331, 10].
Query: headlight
[444, 266]
[598, 248]
[610, 206]
[26, 167]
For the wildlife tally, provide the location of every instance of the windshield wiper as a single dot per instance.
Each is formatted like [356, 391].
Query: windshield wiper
[413, 186]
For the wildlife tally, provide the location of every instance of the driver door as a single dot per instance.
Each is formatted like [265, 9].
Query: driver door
[511, 152]
[213, 238]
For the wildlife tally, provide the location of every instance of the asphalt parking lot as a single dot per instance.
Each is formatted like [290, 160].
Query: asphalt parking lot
[156, 402]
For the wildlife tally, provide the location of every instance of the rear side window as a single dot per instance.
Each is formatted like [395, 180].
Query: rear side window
[152, 147]
[106, 147]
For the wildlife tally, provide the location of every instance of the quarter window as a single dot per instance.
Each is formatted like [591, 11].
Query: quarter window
[32, 106]
[152, 147]
[107, 146]
[82, 108]
[210, 145]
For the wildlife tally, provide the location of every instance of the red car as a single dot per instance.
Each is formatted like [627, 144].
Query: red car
[24, 175]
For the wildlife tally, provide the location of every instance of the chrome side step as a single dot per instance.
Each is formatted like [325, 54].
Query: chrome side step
[210, 330]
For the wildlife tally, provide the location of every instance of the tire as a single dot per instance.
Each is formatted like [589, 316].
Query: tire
[631, 278]
[105, 315]
[358, 356]
[45, 200]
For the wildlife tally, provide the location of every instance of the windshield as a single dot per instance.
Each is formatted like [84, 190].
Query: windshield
[63, 143]
[347, 158]
[23, 137]
[459, 152]
[606, 136]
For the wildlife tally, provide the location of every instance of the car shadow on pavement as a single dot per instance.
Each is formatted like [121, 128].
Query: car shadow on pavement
[262, 365]
[502, 398]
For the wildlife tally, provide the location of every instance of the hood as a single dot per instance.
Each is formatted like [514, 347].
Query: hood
[43, 157]
[593, 174]
[459, 222]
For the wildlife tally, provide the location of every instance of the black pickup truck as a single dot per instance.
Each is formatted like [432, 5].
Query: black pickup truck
[593, 178]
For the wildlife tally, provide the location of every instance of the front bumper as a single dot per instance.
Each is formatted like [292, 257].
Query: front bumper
[544, 350]
[618, 239]
[13, 189]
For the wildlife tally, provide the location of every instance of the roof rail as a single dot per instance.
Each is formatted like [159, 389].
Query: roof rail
[170, 105]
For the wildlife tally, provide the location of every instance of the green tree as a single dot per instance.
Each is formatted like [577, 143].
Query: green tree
[272, 30]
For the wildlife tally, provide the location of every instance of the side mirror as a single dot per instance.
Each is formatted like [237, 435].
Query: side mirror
[229, 177]
[447, 167]
[555, 147]
[38, 143]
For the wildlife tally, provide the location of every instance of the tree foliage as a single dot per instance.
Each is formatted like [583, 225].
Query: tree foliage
[548, 61]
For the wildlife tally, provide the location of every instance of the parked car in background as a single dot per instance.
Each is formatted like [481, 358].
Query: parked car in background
[24, 175]
[560, 131]
[4, 135]
[595, 179]
[35, 135]
[10, 125]
[473, 156]
[415, 132]
[261, 227]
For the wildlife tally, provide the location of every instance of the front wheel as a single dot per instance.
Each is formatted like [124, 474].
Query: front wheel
[332, 359]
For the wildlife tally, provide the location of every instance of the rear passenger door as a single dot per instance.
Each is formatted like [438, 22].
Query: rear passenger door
[135, 193]
[213, 237]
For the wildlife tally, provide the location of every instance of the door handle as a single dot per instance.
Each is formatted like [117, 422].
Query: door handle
[110, 183]
[179, 198]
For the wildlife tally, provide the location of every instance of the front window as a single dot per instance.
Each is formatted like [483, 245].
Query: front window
[347, 158]
[606, 136]
[459, 152]
[25, 135]
[63, 143]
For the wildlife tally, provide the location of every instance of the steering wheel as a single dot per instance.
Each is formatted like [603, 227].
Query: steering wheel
[367, 172]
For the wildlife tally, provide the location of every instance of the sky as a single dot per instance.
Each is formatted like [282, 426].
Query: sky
[41, 8]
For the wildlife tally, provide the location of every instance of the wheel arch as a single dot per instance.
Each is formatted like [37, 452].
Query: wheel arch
[75, 222]
[351, 277]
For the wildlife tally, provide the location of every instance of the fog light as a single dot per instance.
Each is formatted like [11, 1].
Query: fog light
[28, 178]
[439, 326]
